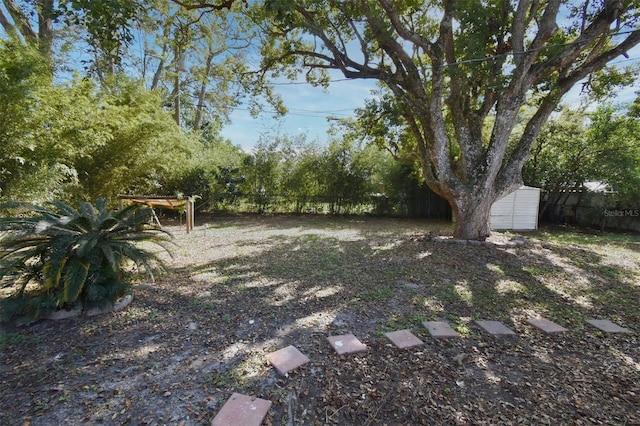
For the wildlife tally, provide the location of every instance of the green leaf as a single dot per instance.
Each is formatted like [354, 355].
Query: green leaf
[109, 255]
[86, 244]
[58, 257]
[75, 277]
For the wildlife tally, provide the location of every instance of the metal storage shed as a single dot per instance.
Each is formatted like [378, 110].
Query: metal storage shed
[517, 211]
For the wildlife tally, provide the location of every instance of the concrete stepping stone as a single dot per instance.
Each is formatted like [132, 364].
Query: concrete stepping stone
[608, 327]
[496, 328]
[287, 359]
[403, 339]
[242, 410]
[346, 344]
[440, 330]
[547, 326]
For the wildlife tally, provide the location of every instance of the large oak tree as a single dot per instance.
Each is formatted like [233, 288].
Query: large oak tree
[459, 74]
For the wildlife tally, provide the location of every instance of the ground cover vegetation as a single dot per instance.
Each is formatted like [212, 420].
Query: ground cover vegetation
[240, 287]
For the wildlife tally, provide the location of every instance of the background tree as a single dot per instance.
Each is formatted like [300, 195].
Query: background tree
[212, 171]
[196, 58]
[618, 163]
[301, 182]
[19, 24]
[263, 171]
[345, 176]
[35, 156]
[78, 141]
[561, 159]
[458, 75]
[105, 25]
[138, 149]
[577, 147]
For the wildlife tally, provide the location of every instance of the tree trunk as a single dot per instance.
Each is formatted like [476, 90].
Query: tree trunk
[21, 22]
[45, 27]
[176, 100]
[163, 55]
[472, 217]
[197, 122]
[177, 87]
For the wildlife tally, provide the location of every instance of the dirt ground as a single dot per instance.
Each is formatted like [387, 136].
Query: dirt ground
[240, 287]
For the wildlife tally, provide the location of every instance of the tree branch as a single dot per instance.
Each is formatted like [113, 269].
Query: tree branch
[9, 28]
[416, 38]
[519, 25]
[598, 28]
[201, 4]
[550, 102]
[339, 60]
[21, 21]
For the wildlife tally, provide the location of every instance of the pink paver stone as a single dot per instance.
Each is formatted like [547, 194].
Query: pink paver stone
[496, 328]
[346, 344]
[242, 410]
[287, 359]
[403, 339]
[546, 325]
[608, 327]
[440, 330]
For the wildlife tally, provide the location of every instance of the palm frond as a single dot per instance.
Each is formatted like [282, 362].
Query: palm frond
[75, 277]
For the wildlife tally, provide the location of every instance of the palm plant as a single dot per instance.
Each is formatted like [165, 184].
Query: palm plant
[59, 257]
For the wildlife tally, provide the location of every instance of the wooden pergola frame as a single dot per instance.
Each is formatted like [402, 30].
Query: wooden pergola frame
[171, 203]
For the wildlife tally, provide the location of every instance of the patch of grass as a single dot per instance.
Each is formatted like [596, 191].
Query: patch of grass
[8, 339]
[510, 286]
[447, 295]
[540, 270]
[464, 292]
[376, 295]
[463, 329]
[401, 322]
[564, 237]
[220, 380]
[249, 369]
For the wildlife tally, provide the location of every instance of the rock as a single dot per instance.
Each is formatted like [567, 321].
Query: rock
[63, 314]
[460, 359]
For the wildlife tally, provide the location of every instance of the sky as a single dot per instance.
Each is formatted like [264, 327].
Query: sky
[308, 111]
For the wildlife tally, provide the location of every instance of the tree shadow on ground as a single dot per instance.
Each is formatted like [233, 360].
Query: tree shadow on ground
[242, 288]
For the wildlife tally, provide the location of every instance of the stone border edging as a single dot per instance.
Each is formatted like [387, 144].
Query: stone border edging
[119, 305]
[516, 242]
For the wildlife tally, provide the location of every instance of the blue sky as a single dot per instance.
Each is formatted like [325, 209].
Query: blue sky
[308, 106]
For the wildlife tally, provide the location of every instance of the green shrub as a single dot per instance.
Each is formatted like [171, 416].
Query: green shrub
[60, 258]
